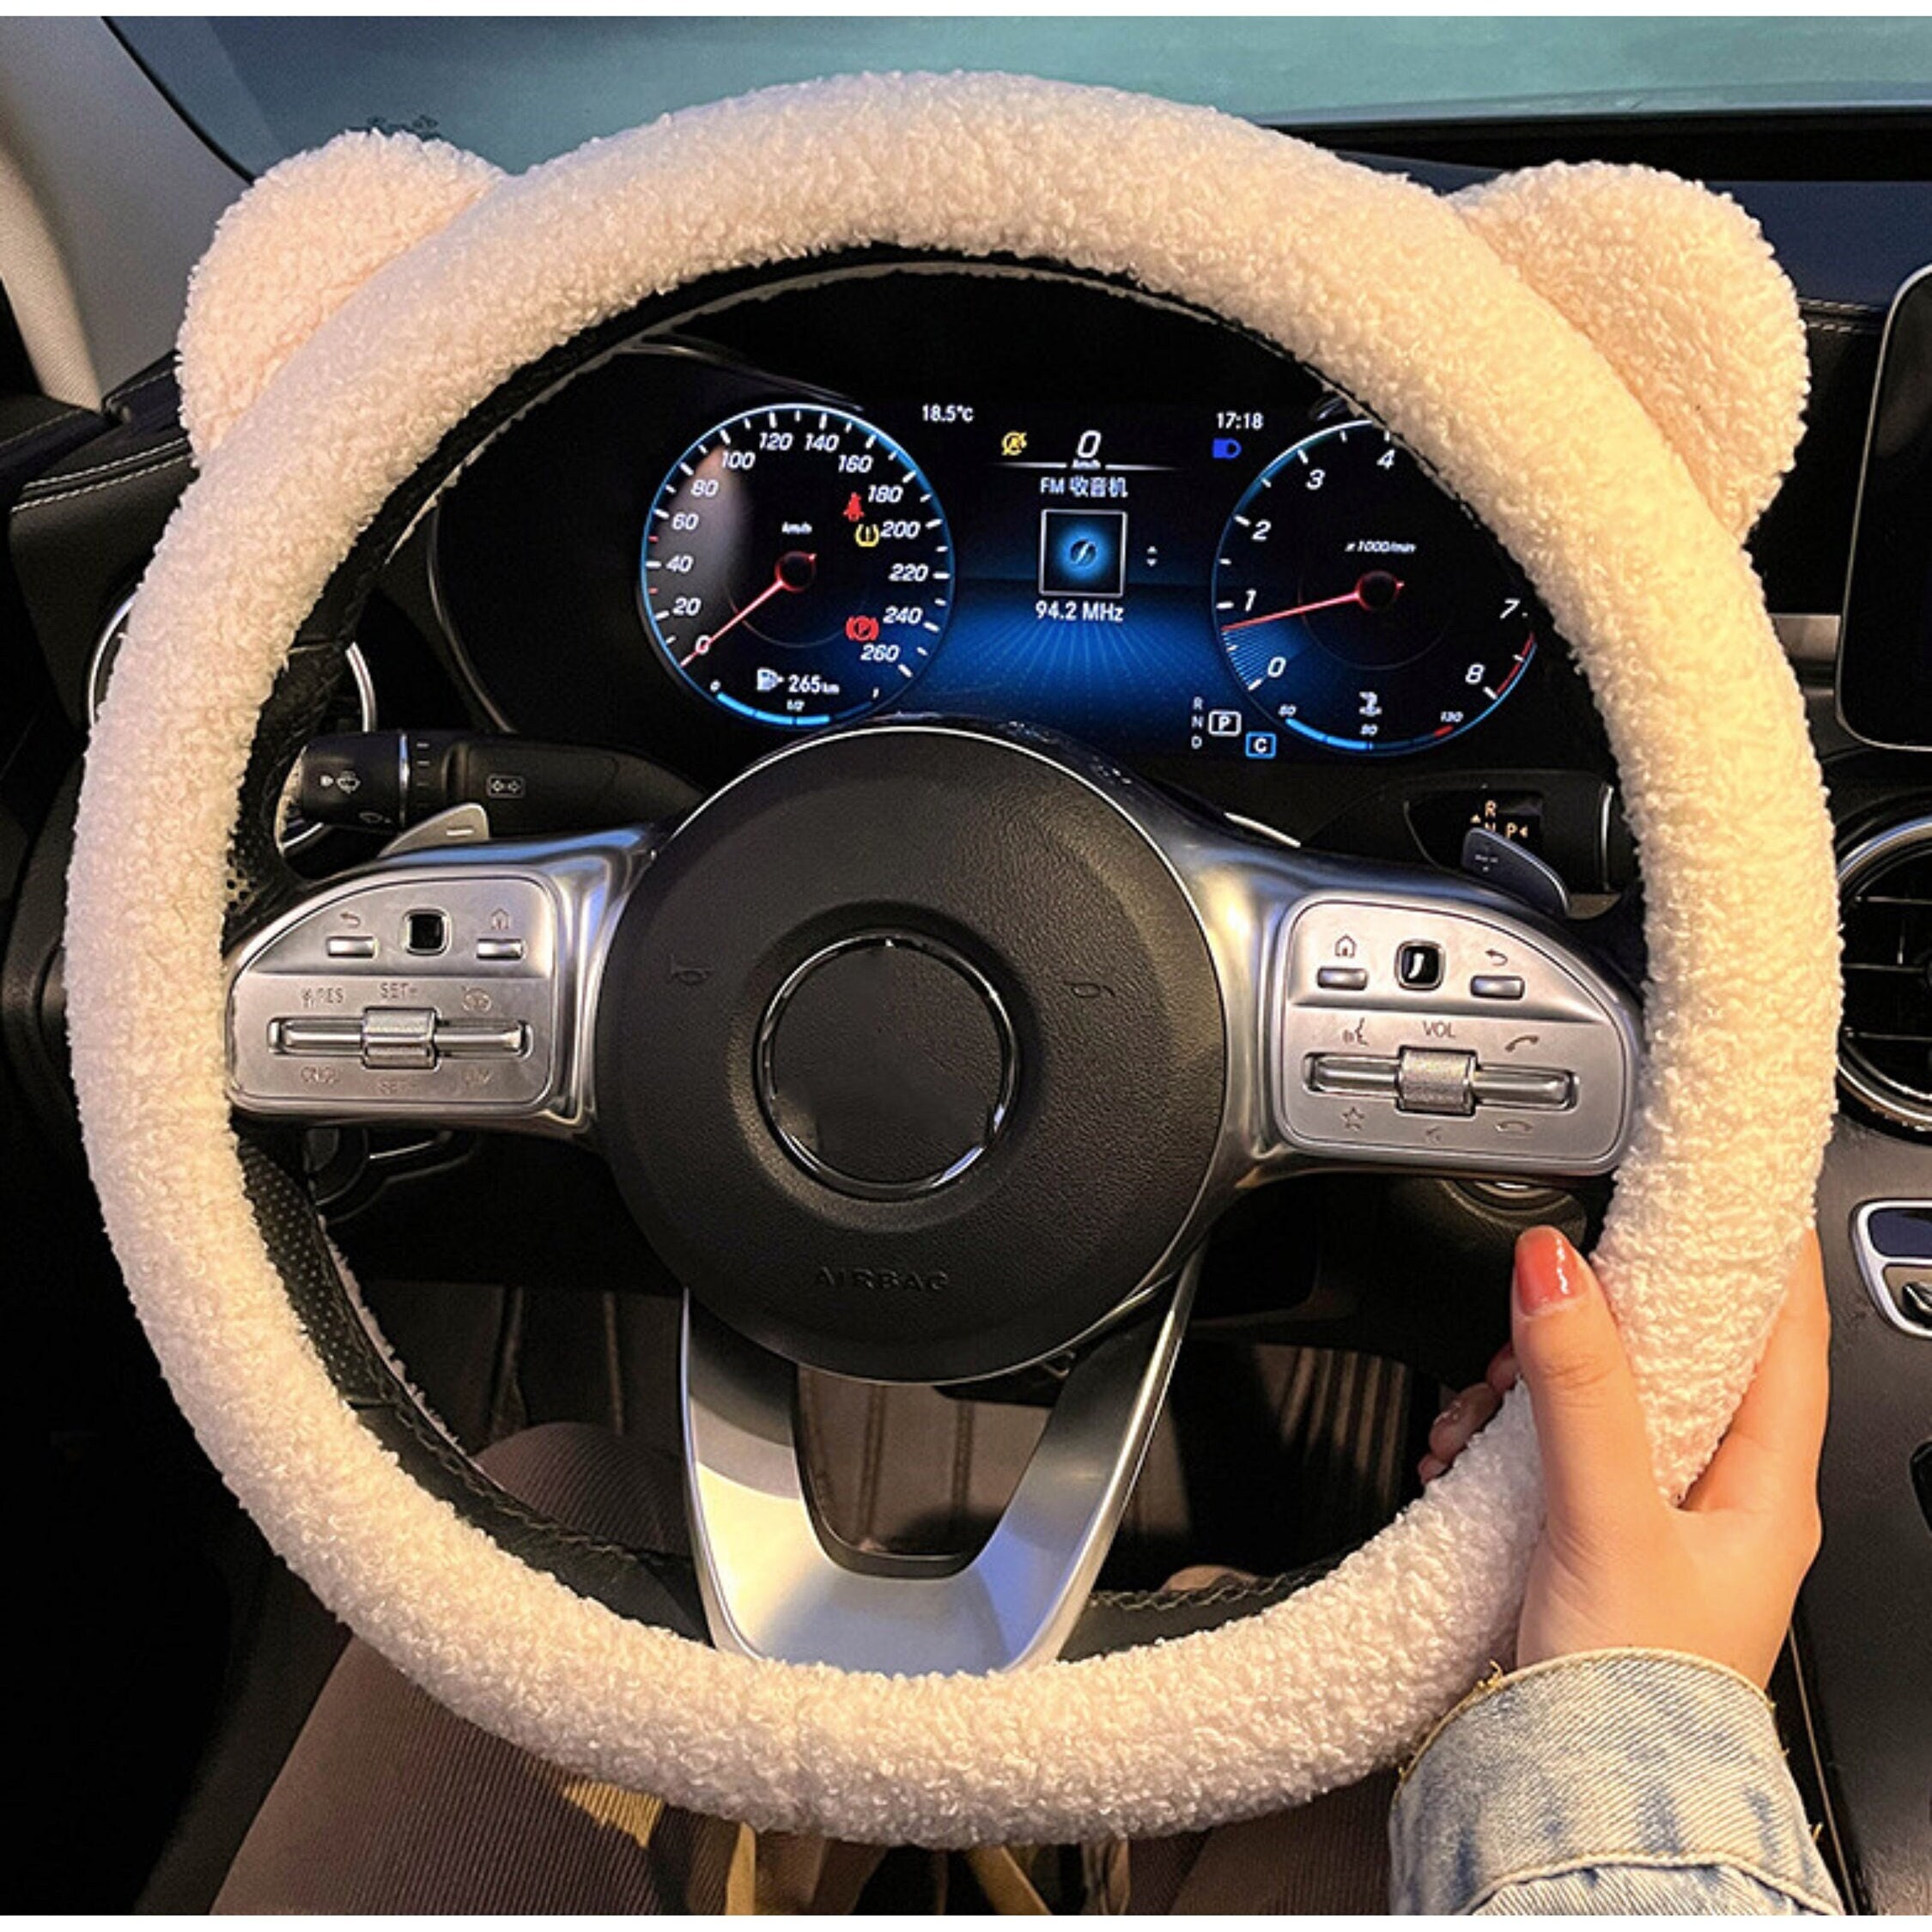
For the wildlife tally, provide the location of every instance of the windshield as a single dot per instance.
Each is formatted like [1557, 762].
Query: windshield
[520, 90]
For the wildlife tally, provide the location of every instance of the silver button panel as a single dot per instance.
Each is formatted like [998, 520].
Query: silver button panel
[1536, 1078]
[331, 1011]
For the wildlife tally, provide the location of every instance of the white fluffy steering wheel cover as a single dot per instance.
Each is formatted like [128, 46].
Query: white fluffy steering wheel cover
[1383, 288]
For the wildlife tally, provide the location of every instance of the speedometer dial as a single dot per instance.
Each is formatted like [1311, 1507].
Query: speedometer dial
[1360, 605]
[797, 567]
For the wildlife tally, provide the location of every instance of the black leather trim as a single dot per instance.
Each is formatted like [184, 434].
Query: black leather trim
[34, 434]
[98, 465]
[81, 535]
[150, 399]
[1120, 1620]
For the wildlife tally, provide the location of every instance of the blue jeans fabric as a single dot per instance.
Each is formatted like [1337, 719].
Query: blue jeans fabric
[1618, 1781]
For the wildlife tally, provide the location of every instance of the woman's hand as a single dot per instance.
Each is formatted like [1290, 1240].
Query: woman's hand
[1616, 1566]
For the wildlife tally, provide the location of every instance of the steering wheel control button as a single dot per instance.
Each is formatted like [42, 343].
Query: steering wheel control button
[1522, 1059]
[410, 1040]
[1342, 979]
[499, 948]
[1522, 1086]
[1430, 1081]
[886, 1065]
[399, 1036]
[1418, 966]
[426, 933]
[316, 1038]
[481, 1039]
[328, 1020]
[1351, 1073]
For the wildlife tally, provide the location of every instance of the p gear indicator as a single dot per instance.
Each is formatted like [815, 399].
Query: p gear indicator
[797, 567]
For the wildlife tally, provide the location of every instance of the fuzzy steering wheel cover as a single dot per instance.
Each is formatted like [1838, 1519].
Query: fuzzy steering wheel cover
[1391, 293]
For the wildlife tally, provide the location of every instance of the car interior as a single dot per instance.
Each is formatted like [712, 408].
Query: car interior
[933, 895]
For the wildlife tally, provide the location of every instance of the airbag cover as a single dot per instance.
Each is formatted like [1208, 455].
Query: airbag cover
[1028, 873]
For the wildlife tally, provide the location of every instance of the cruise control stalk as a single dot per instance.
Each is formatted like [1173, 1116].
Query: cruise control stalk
[386, 781]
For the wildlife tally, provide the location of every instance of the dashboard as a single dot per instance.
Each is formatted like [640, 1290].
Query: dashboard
[1012, 494]
[800, 568]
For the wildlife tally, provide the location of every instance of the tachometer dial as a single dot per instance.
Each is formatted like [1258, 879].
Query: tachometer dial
[1360, 605]
[796, 568]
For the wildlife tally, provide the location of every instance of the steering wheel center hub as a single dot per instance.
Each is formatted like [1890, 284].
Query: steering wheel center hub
[886, 1065]
[910, 1053]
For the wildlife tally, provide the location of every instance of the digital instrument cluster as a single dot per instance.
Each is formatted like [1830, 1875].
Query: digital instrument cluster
[879, 486]
[1225, 579]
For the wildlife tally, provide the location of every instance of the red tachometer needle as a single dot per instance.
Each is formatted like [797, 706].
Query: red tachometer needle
[1359, 595]
[794, 572]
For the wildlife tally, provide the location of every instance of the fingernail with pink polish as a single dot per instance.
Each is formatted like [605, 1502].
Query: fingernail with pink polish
[1549, 1272]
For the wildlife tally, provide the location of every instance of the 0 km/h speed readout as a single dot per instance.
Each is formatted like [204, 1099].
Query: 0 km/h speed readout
[1359, 605]
[796, 568]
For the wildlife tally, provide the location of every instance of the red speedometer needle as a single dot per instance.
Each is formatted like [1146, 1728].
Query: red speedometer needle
[795, 571]
[1375, 591]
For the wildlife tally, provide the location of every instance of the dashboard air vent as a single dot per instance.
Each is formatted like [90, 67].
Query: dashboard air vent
[1885, 1044]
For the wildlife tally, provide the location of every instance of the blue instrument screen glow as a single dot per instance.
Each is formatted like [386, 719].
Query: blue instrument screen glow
[1217, 580]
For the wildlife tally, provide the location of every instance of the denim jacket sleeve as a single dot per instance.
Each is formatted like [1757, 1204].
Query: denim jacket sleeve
[1619, 1781]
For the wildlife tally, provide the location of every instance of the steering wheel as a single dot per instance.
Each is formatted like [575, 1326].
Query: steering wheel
[923, 1051]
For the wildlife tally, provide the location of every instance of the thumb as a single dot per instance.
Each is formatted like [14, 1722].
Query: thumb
[1589, 1424]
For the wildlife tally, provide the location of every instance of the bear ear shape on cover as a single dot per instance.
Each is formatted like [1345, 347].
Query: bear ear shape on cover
[1679, 290]
[294, 248]
[1675, 285]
